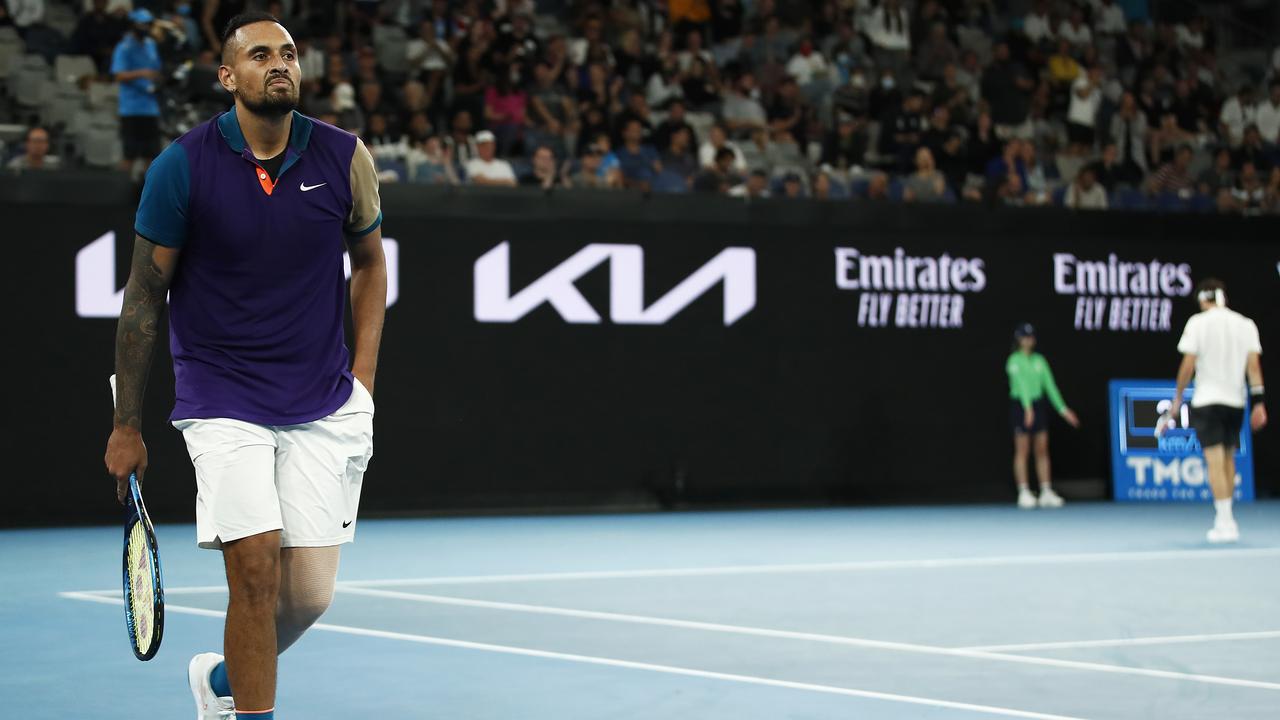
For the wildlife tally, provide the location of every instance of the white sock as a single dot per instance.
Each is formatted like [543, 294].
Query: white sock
[1224, 510]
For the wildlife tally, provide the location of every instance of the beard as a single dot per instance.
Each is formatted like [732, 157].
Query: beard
[272, 104]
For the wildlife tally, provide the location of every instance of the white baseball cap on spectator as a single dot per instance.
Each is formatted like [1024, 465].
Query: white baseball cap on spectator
[485, 136]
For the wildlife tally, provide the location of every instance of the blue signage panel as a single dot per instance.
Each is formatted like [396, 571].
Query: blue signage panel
[1169, 468]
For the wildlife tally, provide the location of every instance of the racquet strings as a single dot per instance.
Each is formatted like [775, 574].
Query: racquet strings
[141, 591]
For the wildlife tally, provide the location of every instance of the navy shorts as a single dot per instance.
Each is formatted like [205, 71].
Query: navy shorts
[1042, 410]
[1217, 425]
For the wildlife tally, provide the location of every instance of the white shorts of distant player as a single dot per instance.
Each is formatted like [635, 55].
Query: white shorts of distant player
[303, 480]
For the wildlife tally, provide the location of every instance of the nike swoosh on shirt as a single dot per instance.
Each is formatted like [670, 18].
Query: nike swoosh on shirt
[346, 524]
[305, 187]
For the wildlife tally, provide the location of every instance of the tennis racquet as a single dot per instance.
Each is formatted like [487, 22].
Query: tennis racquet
[143, 584]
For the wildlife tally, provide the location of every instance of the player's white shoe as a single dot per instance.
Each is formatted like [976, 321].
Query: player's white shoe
[1050, 499]
[1224, 532]
[1026, 500]
[208, 705]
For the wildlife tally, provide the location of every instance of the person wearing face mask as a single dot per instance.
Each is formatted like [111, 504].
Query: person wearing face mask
[135, 64]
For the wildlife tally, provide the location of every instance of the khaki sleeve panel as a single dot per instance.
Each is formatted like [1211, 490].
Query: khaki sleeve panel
[366, 206]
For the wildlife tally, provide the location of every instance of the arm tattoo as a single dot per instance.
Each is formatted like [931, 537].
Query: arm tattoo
[144, 298]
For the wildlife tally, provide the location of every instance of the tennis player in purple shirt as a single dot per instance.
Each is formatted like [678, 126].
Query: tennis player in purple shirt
[243, 222]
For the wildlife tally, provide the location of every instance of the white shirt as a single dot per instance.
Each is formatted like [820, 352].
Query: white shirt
[894, 37]
[26, 13]
[707, 156]
[1237, 117]
[1037, 28]
[1075, 35]
[1221, 339]
[495, 169]
[1084, 111]
[1110, 20]
[805, 69]
[1268, 121]
[1187, 38]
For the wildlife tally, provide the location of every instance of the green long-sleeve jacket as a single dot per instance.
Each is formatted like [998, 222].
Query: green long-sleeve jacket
[1030, 378]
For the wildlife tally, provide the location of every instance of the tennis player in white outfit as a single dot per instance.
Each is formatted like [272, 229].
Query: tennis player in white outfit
[1219, 348]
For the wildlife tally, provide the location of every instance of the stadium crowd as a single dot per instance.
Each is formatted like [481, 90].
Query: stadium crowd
[1036, 102]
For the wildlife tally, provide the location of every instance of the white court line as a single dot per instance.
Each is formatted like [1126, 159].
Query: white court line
[811, 637]
[611, 662]
[1122, 642]
[996, 561]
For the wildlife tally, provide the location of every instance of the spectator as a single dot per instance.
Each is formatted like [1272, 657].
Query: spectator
[936, 53]
[811, 71]
[429, 164]
[758, 153]
[135, 64]
[35, 154]
[663, 87]
[1082, 114]
[679, 158]
[1218, 177]
[96, 35]
[1108, 19]
[1007, 86]
[1075, 31]
[755, 187]
[1063, 68]
[788, 113]
[544, 173]
[720, 175]
[890, 33]
[486, 168]
[878, 187]
[692, 52]
[504, 109]
[717, 140]
[1249, 195]
[699, 86]
[903, 131]
[1191, 35]
[674, 122]
[1034, 175]
[1166, 138]
[983, 144]
[743, 112]
[1085, 193]
[845, 147]
[1129, 132]
[926, 184]
[823, 187]
[1252, 150]
[1174, 176]
[593, 173]
[637, 159]
[551, 111]
[949, 93]
[792, 187]
[1238, 112]
[1038, 25]
[430, 59]
[952, 163]
[1111, 172]
[1267, 115]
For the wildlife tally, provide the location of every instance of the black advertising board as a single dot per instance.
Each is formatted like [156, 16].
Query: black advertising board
[589, 350]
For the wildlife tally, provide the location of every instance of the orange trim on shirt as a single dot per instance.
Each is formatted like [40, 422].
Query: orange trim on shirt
[265, 180]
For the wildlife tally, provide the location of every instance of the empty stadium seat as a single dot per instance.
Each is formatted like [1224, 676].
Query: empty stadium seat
[102, 147]
[69, 69]
[30, 82]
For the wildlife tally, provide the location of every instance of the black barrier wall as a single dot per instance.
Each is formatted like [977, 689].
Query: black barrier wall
[584, 350]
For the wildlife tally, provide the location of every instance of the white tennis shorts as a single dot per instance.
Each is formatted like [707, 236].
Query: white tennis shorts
[301, 479]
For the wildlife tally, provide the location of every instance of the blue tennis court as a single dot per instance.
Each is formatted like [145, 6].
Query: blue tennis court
[1094, 611]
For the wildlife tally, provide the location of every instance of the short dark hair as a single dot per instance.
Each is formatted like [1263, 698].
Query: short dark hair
[1210, 285]
[245, 18]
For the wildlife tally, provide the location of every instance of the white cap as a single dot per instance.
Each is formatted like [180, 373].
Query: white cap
[484, 136]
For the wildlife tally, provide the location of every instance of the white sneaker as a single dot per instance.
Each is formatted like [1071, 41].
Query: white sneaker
[1026, 501]
[208, 705]
[1227, 532]
[1050, 499]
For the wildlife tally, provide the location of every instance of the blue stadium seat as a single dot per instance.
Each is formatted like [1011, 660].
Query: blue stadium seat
[1060, 196]
[1130, 199]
